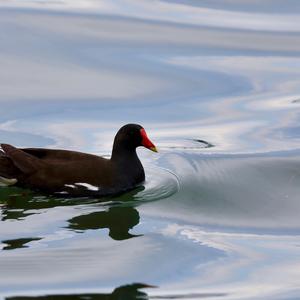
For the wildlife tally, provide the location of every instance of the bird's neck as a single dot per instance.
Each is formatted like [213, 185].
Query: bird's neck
[122, 154]
[128, 164]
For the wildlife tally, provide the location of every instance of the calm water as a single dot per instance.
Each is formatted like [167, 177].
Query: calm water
[216, 85]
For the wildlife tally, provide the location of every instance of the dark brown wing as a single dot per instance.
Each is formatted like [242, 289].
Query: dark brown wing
[57, 154]
[23, 161]
[7, 168]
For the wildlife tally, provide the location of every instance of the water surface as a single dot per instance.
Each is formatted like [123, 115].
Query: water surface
[216, 85]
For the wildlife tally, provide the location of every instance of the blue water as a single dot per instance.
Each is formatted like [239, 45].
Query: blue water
[216, 86]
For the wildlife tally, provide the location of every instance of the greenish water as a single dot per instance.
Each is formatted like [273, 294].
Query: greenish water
[215, 84]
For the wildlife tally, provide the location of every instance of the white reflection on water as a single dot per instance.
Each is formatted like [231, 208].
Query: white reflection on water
[237, 265]
[173, 12]
[95, 77]
[236, 193]
[50, 81]
[254, 267]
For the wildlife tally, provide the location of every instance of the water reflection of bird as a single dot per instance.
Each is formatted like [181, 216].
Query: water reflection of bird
[119, 220]
[18, 243]
[17, 204]
[75, 173]
[126, 292]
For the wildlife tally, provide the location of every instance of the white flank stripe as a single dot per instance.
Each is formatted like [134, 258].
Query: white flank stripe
[88, 186]
[71, 186]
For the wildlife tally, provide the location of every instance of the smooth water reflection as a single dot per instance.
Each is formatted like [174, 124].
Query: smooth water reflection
[18, 243]
[215, 83]
[123, 292]
[119, 220]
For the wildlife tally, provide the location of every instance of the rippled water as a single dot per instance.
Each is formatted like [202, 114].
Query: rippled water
[216, 85]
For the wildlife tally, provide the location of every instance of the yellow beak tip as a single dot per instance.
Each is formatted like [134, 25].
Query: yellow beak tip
[153, 149]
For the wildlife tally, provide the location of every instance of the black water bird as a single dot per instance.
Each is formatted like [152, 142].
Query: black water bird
[71, 173]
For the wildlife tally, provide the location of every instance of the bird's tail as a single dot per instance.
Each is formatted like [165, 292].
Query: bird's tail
[7, 181]
[8, 171]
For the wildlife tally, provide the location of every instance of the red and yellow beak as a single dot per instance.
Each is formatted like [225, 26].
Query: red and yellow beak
[146, 142]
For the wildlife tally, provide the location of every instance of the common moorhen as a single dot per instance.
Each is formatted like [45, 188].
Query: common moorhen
[75, 173]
